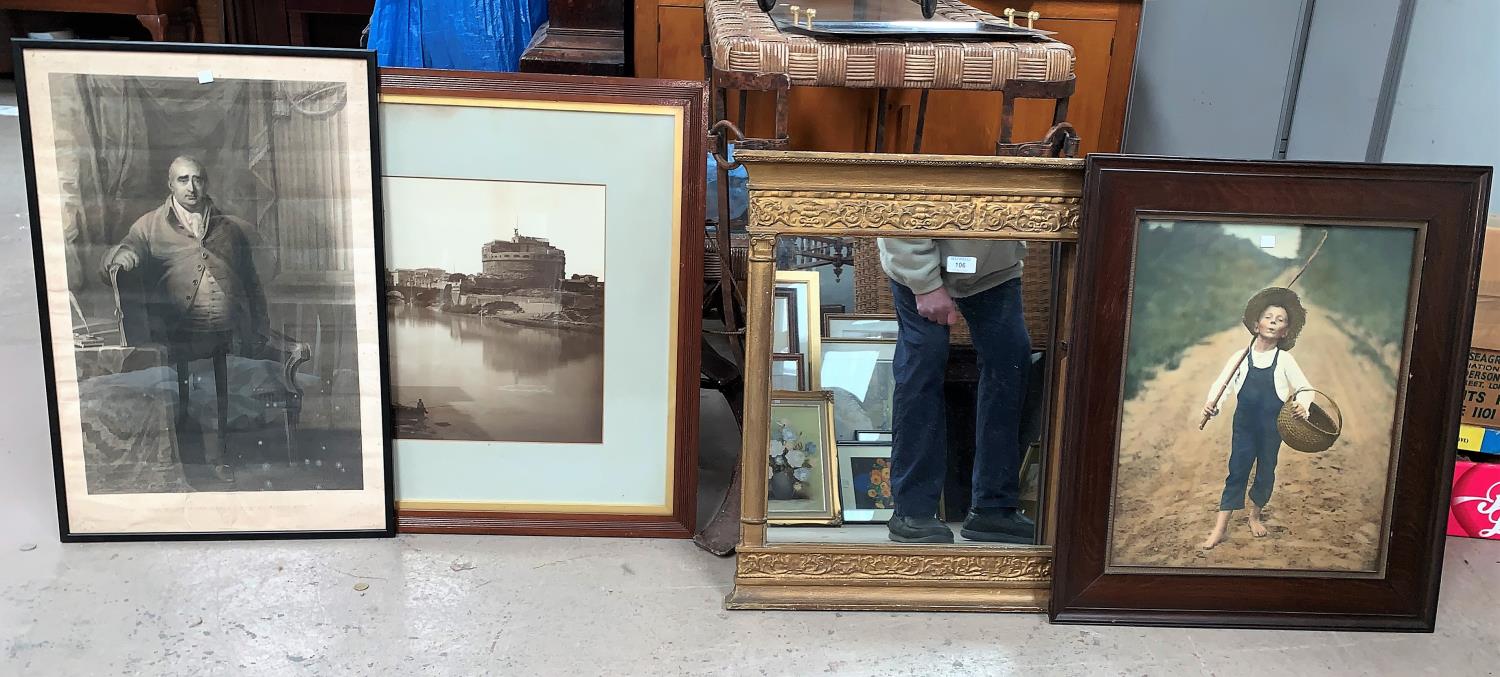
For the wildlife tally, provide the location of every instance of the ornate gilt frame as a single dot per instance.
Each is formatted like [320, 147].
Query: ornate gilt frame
[834, 194]
[823, 400]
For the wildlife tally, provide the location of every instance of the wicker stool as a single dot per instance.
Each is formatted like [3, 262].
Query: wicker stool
[746, 51]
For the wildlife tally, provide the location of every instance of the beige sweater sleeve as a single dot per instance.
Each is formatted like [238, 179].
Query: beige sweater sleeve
[914, 262]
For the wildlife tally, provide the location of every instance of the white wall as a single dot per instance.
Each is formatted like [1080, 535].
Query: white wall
[1211, 78]
[1448, 103]
[1347, 45]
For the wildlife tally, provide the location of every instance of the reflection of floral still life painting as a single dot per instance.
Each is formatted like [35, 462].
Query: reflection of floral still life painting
[791, 462]
[801, 487]
[865, 482]
[872, 484]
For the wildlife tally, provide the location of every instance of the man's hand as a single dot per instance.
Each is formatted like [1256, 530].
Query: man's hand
[124, 260]
[937, 306]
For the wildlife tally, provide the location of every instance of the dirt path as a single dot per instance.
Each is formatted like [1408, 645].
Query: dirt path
[1326, 509]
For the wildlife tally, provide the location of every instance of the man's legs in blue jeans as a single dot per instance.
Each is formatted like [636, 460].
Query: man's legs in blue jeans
[998, 328]
[919, 442]
[919, 450]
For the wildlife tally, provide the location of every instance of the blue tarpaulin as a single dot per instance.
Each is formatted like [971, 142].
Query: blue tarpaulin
[739, 189]
[478, 35]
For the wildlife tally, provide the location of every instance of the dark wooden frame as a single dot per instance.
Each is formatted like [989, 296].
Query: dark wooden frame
[798, 359]
[829, 318]
[28, 155]
[1450, 202]
[692, 98]
[794, 342]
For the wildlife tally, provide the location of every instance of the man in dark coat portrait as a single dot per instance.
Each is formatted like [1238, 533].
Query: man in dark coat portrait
[202, 289]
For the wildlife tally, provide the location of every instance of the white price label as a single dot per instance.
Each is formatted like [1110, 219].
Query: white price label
[962, 264]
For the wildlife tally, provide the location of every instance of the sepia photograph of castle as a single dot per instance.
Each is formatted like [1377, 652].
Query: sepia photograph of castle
[495, 303]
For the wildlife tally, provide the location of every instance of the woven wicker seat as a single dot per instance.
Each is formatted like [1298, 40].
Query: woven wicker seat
[745, 40]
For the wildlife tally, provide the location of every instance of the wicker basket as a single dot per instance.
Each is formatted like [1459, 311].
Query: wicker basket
[1314, 434]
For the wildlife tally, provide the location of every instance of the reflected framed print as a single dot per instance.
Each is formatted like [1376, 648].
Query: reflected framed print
[860, 326]
[865, 482]
[784, 339]
[1250, 448]
[802, 479]
[544, 340]
[860, 375]
[206, 227]
[798, 293]
[788, 371]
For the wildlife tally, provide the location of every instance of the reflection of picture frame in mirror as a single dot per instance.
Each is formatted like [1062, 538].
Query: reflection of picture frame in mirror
[872, 436]
[860, 376]
[803, 305]
[784, 339]
[836, 195]
[802, 479]
[1350, 302]
[788, 371]
[865, 482]
[860, 326]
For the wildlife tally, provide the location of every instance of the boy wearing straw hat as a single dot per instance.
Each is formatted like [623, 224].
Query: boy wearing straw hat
[1262, 377]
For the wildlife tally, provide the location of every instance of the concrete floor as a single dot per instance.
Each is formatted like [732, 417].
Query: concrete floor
[441, 605]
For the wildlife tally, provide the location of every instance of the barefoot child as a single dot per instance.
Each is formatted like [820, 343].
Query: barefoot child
[1262, 383]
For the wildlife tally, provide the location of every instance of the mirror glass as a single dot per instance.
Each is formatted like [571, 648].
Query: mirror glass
[909, 394]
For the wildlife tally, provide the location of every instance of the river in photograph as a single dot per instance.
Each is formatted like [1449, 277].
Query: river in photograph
[465, 377]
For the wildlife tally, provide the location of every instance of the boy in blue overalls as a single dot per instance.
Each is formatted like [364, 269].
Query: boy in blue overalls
[1262, 383]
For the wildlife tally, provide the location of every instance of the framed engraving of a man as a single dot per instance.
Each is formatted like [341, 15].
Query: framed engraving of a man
[206, 227]
[203, 288]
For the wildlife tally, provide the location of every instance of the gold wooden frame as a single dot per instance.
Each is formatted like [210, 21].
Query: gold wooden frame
[842, 194]
[823, 400]
[810, 283]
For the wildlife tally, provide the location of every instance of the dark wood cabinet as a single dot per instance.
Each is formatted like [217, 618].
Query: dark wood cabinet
[156, 20]
[159, 17]
[581, 37]
[314, 23]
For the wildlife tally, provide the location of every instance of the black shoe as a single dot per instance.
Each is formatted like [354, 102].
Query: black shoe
[919, 530]
[999, 526]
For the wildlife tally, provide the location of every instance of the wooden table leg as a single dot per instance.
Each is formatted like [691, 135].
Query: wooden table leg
[156, 24]
[194, 25]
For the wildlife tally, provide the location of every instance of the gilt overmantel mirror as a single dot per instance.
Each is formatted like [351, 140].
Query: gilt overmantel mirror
[906, 336]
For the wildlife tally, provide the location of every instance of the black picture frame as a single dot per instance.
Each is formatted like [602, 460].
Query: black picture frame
[368, 57]
[1448, 204]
